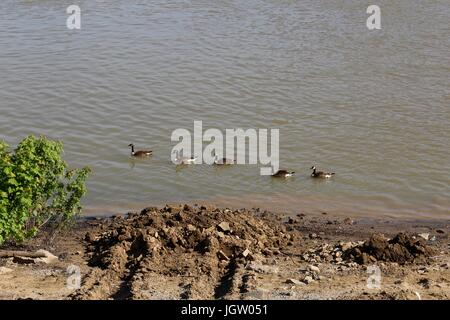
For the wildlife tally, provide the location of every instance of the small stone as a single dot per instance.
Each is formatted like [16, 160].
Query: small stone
[314, 269]
[425, 236]
[308, 279]
[191, 228]
[246, 253]
[224, 226]
[294, 281]
[422, 270]
[313, 236]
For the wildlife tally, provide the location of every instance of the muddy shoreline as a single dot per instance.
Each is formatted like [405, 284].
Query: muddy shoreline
[204, 252]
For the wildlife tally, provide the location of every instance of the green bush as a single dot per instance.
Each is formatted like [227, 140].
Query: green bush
[37, 189]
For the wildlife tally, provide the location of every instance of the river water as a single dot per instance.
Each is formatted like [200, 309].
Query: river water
[371, 105]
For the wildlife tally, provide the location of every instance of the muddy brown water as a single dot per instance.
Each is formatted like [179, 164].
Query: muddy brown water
[373, 106]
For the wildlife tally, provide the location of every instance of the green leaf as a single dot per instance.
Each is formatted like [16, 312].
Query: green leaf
[36, 186]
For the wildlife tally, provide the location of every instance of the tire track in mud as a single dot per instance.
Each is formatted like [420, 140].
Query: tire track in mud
[178, 252]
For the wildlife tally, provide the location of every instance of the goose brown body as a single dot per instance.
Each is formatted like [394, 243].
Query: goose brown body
[140, 153]
[222, 161]
[320, 174]
[283, 174]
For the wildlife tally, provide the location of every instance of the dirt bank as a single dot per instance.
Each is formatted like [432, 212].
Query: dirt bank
[203, 252]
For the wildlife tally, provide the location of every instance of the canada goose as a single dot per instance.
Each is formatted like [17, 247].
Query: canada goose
[140, 153]
[283, 174]
[320, 174]
[222, 161]
[183, 160]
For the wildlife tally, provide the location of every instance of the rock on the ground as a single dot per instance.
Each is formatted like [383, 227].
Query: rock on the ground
[294, 281]
[425, 236]
[224, 226]
[314, 269]
[245, 253]
[308, 279]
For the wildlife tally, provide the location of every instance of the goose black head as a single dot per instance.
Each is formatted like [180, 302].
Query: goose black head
[313, 168]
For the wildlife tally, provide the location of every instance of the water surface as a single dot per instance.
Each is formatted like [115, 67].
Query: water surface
[373, 106]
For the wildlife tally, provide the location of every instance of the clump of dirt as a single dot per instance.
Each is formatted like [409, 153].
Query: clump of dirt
[402, 248]
[205, 245]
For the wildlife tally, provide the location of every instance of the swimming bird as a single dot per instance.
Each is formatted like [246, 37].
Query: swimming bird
[320, 174]
[139, 153]
[184, 160]
[283, 174]
[222, 161]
